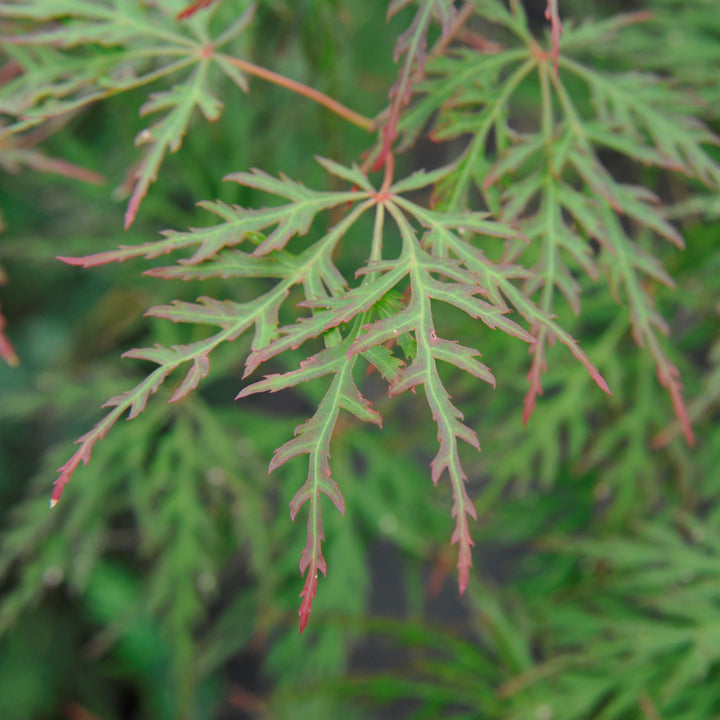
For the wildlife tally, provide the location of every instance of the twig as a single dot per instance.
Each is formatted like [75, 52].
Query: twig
[462, 17]
[305, 90]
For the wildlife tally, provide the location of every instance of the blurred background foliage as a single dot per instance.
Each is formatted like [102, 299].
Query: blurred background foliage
[165, 584]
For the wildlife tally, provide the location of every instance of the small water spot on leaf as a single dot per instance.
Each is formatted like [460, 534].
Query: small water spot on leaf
[388, 524]
[53, 576]
[206, 583]
[216, 476]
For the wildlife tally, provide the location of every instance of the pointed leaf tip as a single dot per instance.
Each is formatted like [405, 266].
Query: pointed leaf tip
[308, 595]
[130, 213]
[71, 260]
[463, 577]
[304, 615]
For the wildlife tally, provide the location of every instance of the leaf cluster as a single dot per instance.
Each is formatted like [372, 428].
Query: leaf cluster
[560, 252]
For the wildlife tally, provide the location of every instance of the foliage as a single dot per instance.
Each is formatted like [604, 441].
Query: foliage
[570, 201]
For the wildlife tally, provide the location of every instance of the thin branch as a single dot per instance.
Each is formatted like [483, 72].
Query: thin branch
[293, 85]
[479, 42]
[462, 17]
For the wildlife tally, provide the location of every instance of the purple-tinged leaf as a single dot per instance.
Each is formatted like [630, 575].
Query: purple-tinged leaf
[441, 226]
[311, 562]
[538, 368]
[463, 297]
[422, 371]
[134, 401]
[552, 14]
[289, 337]
[494, 279]
[413, 45]
[381, 331]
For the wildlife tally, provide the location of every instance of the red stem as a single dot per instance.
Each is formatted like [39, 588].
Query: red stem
[305, 90]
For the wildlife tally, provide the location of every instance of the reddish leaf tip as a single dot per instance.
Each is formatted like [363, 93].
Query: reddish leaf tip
[689, 436]
[71, 260]
[7, 352]
[600, 382]
[529, 404]
[463, 577]
[194, 7]
[308, 595]
[58, 490]
[134, 205]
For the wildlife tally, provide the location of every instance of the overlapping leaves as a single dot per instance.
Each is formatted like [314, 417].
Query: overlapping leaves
[412, 47]
[55, 46]
[552, 181]
[652, 609]
[438, 262]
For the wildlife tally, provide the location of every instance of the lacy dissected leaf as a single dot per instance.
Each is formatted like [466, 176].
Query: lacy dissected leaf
[452, 81]
[54, 45]
[627, 267]
[489, 114]
[240, 225]
[553, 185]
[680, 142]
[702, 405]
[497, 279]
[441, 267]
[656, 618]
[690, 55]
[432, 277]
[313, 269]
[412, 44]
[166, 135]
[232, 317]
[647, 110]
[313, 439]
[459, 289]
